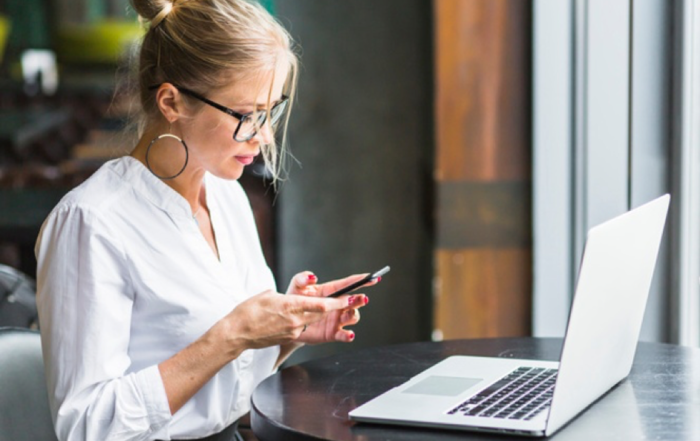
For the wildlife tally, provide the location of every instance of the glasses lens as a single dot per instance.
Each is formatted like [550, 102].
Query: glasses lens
[249, 126]
[277, 112]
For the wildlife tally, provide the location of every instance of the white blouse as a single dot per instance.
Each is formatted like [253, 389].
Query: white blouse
[126, 280]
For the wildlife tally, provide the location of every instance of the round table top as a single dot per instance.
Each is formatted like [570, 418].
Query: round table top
[310, 401]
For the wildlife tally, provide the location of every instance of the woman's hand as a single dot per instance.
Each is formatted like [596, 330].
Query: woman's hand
[269, 319]
[331, 326]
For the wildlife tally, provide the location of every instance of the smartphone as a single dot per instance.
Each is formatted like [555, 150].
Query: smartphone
[359, 283]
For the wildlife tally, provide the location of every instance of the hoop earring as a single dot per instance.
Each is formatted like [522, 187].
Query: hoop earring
[158, 138]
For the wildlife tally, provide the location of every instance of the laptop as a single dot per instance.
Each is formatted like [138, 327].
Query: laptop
[535, 397]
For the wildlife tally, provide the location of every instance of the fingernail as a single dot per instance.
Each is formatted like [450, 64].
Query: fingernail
[379, 279]
[366, 300]
[311, 278]
[352, 336]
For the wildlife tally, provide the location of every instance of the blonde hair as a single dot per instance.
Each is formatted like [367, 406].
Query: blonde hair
[203, 45]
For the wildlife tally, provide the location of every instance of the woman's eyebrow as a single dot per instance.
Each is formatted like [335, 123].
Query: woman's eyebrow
[259, 105]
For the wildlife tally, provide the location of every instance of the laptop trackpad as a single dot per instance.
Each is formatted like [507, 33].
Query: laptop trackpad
[445, 386]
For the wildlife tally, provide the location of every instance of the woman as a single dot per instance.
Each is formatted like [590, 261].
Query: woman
[158, 313]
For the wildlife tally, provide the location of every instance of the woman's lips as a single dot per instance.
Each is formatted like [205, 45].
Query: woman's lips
[246, 159]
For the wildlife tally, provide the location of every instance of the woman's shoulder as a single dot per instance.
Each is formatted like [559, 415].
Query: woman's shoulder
[100, 191]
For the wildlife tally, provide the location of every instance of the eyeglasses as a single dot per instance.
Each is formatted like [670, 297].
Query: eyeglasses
[249, 123]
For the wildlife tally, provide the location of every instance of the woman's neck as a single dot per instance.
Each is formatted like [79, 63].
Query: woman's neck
[166, 157]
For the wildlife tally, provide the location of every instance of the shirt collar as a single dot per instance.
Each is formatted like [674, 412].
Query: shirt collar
[151, 187]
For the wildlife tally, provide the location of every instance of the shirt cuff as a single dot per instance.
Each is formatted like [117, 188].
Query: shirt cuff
[155, 399]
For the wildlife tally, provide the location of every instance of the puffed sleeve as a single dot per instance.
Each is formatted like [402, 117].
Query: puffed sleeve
[85, 300]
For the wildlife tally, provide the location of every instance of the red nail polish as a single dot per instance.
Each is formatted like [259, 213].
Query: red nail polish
[312, 278]
[379, 279]
[352, 336]
[366, 300]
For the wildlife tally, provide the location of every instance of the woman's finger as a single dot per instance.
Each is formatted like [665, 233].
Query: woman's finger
[319, 305]
[350, 317]
[301, 281]
[358, 300]
[344, 335]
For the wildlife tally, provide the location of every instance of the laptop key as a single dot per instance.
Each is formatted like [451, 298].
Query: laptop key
[520, 394]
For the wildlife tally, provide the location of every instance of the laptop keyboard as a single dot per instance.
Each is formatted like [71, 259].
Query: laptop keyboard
[520, 395]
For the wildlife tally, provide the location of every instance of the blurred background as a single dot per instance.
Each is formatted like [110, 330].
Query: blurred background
[468, 144]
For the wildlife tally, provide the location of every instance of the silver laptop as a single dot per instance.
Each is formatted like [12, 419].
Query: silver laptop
[532, 397]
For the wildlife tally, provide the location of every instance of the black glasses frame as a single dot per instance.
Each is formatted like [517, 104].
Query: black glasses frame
[240, 116]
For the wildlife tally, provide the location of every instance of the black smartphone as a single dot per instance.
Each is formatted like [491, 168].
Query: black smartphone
[359, 283]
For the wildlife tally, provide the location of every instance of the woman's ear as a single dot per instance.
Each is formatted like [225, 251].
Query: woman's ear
[169, 101]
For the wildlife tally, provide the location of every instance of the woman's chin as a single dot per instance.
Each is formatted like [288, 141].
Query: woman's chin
[230, 173]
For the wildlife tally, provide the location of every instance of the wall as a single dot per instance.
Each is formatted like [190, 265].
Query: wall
[359, 197]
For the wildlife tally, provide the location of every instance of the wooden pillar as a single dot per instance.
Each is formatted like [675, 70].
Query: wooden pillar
[482, 258]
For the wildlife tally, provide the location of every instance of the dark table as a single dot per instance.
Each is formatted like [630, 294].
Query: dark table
[310, 401]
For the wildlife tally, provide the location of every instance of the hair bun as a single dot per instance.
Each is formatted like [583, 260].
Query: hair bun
[152, 9]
